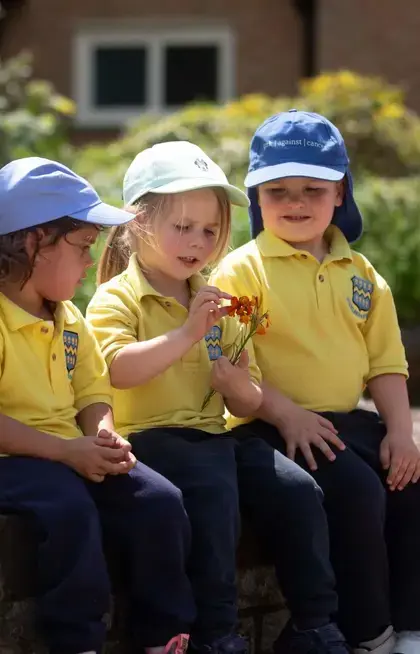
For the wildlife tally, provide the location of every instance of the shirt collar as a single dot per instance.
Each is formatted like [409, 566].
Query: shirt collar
[142, 287]
[270, 245]
[16, 318]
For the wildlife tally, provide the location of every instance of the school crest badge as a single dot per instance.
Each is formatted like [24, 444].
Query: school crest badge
[362, 293]
[201, 164]
[71, 344]
[213, 339]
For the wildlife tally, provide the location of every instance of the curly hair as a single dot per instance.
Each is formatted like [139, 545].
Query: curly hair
[16, 265]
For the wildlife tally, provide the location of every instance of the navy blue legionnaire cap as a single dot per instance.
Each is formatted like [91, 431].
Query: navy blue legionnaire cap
[301, 144]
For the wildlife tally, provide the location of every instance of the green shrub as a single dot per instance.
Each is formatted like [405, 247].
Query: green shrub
[382, 135]
[33, 117]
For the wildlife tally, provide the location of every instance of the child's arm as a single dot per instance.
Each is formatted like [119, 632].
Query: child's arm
[242, 394]
[301, 429]
[399, 453]
[82, 454]
[132, 362]
[22, 440]
[387, 385]
[98, 420]
[138, 363]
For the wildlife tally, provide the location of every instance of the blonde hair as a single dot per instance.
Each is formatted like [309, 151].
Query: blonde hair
[151, 211]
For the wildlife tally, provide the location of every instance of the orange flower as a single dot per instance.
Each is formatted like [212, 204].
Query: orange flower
[234, 303]
[261, 330]
[244, 319]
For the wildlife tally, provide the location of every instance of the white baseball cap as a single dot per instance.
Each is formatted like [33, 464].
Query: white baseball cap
[175, 167]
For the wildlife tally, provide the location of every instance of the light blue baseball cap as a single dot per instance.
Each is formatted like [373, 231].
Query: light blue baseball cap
[34, 191]
[176, 167]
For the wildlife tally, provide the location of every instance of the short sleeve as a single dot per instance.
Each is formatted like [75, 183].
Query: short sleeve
[383, 335]
[90, 380]
[113, 322]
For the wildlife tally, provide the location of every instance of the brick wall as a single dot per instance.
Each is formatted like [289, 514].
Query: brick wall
[268, 40]
[373, 37]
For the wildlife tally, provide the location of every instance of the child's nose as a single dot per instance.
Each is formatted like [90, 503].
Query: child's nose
[295, 197]
[197, 240]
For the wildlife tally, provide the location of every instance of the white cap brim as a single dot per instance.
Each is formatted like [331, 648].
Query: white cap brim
[236, 196]
[293, 169]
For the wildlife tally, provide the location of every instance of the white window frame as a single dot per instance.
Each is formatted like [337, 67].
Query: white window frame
[155, 41]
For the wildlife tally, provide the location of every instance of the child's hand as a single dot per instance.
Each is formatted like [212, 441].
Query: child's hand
[107, 438]
[401, 457]
[93, 458]
[204, 312]
[301, 429]
[235, 384]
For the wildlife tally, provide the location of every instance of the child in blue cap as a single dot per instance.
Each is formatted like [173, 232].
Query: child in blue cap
[61, 463]
[334, 332]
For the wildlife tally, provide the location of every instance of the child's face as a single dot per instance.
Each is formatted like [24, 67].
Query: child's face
[60, 268]
[299, 209]
[188, 236]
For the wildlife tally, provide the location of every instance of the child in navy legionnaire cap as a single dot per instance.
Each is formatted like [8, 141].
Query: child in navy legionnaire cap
[334, 332]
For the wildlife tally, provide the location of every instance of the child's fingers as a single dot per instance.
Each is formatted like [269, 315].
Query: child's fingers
[105, 433]
[407, 477]
[243, 361]
[416, 475]
[309, 457]
[204, 298]
[334, 439]
[399, 475]
[325, 449]
[218, 292]
[393, 471]
[327, 424]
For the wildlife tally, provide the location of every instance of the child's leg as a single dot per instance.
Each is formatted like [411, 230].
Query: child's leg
[145, 524]
[72, 581]
[363, 433]
[285, 506]
[203, 467]
[354, 501]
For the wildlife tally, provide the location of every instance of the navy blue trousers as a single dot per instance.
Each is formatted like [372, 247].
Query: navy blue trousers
[218, 475]
[140, 516]
[374, 532]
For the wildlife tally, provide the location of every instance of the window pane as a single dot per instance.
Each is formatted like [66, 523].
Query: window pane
[190, 74]
[120, 76]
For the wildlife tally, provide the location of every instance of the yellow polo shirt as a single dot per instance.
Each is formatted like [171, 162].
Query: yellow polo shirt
[49, 371]
[333, 324]
[127, 309]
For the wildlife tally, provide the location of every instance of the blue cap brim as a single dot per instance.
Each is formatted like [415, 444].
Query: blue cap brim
[103, 214]
[347, 217]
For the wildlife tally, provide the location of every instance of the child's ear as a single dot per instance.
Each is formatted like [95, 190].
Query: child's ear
[340, 191]
[32, 242]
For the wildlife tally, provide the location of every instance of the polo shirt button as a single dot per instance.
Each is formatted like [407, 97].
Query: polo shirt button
[321, 278]
[167, 304]
[54, 356]
[304, 256]
[44, 330]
